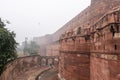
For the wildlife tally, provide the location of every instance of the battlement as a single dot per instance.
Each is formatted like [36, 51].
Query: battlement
[96, 1]
[87, 51]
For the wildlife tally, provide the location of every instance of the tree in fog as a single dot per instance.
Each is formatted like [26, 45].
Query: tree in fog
[25, 46]
[30, 48]
[33, 48]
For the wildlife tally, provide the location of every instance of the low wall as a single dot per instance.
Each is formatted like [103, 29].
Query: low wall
[19, 66]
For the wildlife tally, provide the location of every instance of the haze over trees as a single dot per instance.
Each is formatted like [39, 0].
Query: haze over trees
[7, 45]
[30, 47]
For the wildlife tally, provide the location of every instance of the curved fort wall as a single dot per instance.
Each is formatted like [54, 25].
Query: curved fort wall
[84, 20]
[90, 46]
[19, 66]
[27, 68]
[105, 49]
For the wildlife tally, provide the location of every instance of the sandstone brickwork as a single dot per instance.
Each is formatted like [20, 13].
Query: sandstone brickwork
[106, 48]
[89, 44]
[52, 49]
[29, 67]
[19, 66]
[90, 47]
[85, 19]
[89, 16]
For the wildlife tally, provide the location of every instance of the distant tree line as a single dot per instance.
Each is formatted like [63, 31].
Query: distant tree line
[30, 48]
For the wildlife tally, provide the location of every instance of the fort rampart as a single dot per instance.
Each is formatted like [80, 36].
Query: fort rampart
[92, 53]
[89, 49]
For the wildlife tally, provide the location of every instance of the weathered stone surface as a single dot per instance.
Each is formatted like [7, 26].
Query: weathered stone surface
[52, 49]
[19, 67]
[74, 66]
[85, 19]
[103, 69]
[96, 45]
[99, 69]
[89, 46]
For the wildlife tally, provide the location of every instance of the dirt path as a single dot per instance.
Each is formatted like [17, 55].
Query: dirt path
[31, 74]
[49, 75]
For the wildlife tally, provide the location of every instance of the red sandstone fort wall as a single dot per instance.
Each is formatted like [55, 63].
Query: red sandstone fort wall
[85, 19]
[53, 49]
[19, 66]
[88, 16]
[74, 59]
[74, 66]
[104, 69]
[92, 54]
[104, 61]
[100, 38]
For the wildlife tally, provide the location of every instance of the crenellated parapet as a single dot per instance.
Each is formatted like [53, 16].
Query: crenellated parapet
[106, 28]
[83, 49]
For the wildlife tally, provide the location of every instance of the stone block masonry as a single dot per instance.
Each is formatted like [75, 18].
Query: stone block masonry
[92, 52]
[27, 68]
[89, 45]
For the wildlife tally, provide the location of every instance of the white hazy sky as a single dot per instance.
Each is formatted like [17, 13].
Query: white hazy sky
[32, 18]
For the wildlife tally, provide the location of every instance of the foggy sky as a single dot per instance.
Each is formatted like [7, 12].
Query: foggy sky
[33, 18]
